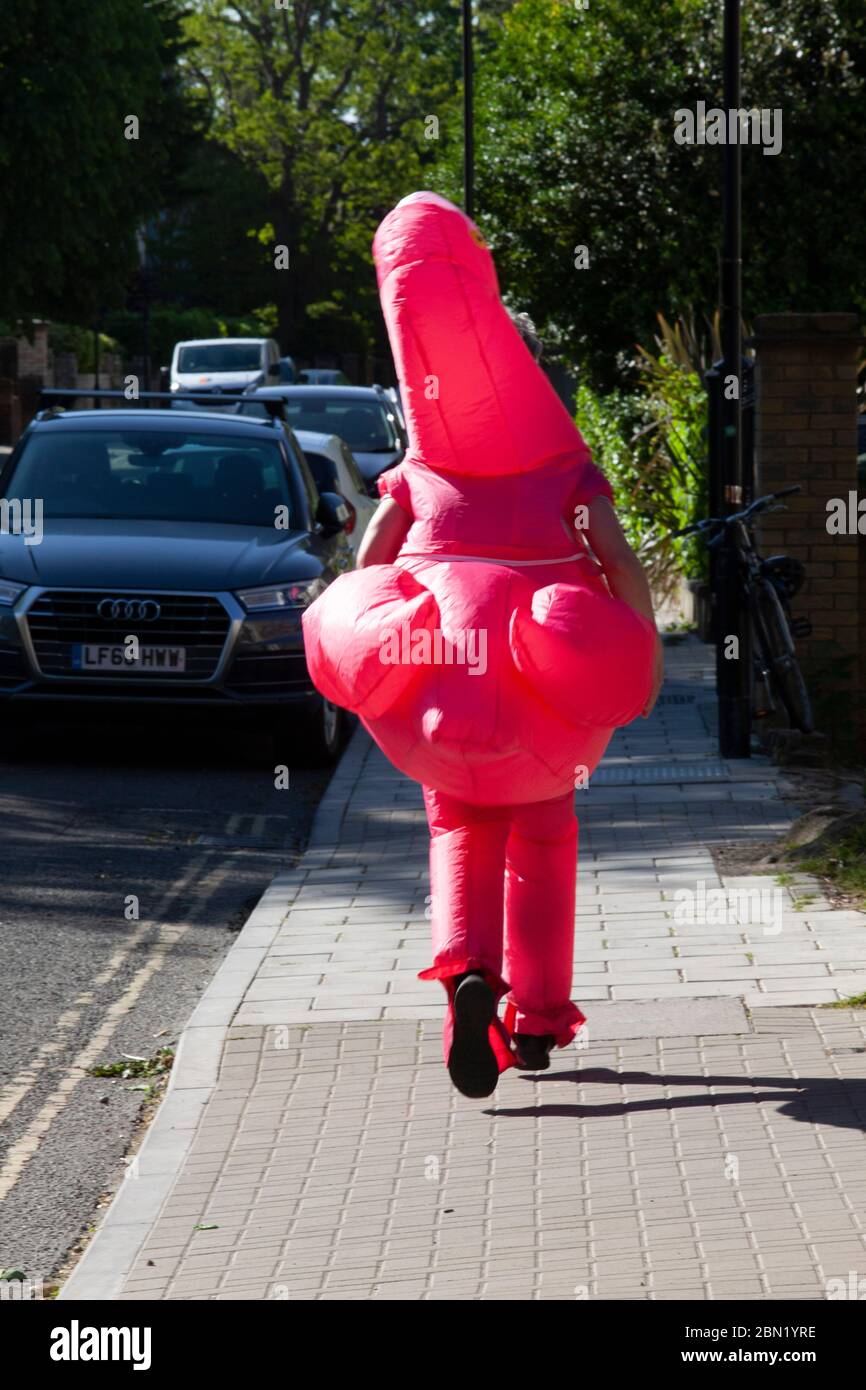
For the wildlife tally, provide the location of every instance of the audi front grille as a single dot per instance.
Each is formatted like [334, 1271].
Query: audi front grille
[59, 619]
[258, 675]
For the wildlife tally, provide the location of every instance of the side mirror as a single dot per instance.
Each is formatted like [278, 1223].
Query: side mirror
[274, 370]
[332, 513]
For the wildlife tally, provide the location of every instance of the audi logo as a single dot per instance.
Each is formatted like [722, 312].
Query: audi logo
[138, 610]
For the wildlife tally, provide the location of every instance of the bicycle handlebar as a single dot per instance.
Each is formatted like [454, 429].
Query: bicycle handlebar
[716, 522]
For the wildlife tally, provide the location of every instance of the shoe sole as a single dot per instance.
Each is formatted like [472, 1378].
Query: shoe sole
[526, 1062]
[532, 1066]
[472, 1063]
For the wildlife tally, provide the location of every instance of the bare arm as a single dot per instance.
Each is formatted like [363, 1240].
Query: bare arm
[624, 574]
[385, 534]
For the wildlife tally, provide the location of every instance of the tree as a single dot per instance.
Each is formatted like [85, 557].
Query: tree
[341, 105]
[74, 79]
[576, 119]
[204, 251]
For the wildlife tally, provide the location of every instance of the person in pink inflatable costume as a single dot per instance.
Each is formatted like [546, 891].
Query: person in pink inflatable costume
[497, 630]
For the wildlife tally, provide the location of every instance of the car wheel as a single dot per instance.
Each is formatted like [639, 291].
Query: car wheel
[326, 733]
[313, 738]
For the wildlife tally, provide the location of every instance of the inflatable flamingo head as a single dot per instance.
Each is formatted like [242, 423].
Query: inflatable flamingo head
[476, 401]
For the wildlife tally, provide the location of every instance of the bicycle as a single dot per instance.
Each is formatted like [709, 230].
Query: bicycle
[767, 586]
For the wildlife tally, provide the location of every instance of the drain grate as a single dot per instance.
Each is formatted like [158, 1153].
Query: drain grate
[674, 699]
[650, 773]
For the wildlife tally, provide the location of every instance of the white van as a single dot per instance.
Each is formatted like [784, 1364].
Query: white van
[224, 364]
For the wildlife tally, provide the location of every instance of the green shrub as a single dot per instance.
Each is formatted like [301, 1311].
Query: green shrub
[609, 422]
[651, 440]
[68, 337]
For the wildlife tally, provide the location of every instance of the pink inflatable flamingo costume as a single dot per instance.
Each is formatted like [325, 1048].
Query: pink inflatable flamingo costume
[489, 662]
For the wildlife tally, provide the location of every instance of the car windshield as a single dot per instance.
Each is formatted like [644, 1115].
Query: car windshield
[368, 427]
[220, 357]
[155, 475]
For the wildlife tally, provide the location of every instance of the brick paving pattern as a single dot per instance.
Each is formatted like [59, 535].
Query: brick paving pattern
[334, 1161]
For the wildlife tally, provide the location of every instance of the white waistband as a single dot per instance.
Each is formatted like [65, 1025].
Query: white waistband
[487, 559]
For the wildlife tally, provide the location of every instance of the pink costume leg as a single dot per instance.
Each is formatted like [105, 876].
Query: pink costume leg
[467, 867]
[540, 887]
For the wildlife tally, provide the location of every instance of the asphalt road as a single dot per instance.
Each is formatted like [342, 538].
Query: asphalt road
[187, 820]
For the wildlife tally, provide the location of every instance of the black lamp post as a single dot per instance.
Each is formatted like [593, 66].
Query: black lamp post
[144, 282]
[733, 672]
[468, 128]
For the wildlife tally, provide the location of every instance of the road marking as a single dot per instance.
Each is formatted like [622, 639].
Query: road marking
[22, 1151]
[15, 1090]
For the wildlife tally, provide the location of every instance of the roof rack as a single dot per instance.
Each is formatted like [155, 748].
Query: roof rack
[205, 400]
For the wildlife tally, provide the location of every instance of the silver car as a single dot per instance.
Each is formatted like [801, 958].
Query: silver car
[335, 470]
[364, 416]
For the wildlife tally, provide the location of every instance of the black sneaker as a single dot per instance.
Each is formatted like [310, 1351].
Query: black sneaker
[534, 1050]
[472, 1063]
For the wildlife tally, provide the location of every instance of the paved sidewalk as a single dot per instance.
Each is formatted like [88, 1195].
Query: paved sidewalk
[707, 1144]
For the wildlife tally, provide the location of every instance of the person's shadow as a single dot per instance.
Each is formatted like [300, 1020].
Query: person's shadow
[825, 1100]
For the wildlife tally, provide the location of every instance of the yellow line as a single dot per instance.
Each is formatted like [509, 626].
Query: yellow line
[23, 1082]
[22, 1151]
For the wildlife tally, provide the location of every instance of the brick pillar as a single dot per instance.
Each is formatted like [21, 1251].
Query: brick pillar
[806, 433]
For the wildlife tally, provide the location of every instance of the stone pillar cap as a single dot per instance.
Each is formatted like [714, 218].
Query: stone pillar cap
[840, 327]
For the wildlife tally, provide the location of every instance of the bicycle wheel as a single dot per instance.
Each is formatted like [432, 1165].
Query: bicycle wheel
[774, 634]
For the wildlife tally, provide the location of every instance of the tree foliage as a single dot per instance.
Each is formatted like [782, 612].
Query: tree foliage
[576, 119]
[328, 100]
[320, 114]
[74, 187]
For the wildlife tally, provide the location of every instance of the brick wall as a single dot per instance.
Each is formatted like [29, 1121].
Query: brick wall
[806, 433]
[25, 367]
[34, 359]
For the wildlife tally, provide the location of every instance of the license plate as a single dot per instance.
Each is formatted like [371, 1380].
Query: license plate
[92, 656]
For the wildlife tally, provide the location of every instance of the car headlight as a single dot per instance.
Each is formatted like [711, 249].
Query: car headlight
[9, 592]
[281, 596]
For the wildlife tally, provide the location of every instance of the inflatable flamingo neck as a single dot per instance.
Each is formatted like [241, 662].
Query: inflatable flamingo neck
[476, 402]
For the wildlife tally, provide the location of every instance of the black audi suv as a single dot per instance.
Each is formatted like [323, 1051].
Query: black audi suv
[160, 556]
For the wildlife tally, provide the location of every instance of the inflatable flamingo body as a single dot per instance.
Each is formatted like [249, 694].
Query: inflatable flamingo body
[489, 662]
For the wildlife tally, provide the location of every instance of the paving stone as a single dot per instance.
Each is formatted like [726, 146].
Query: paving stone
[343, 1166]
[701, 1243]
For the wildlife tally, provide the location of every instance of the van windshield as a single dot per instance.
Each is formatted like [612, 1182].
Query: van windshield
[220, 357]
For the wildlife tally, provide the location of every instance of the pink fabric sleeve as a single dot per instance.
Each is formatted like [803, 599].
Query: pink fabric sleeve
[393, 483]
[591, 482]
